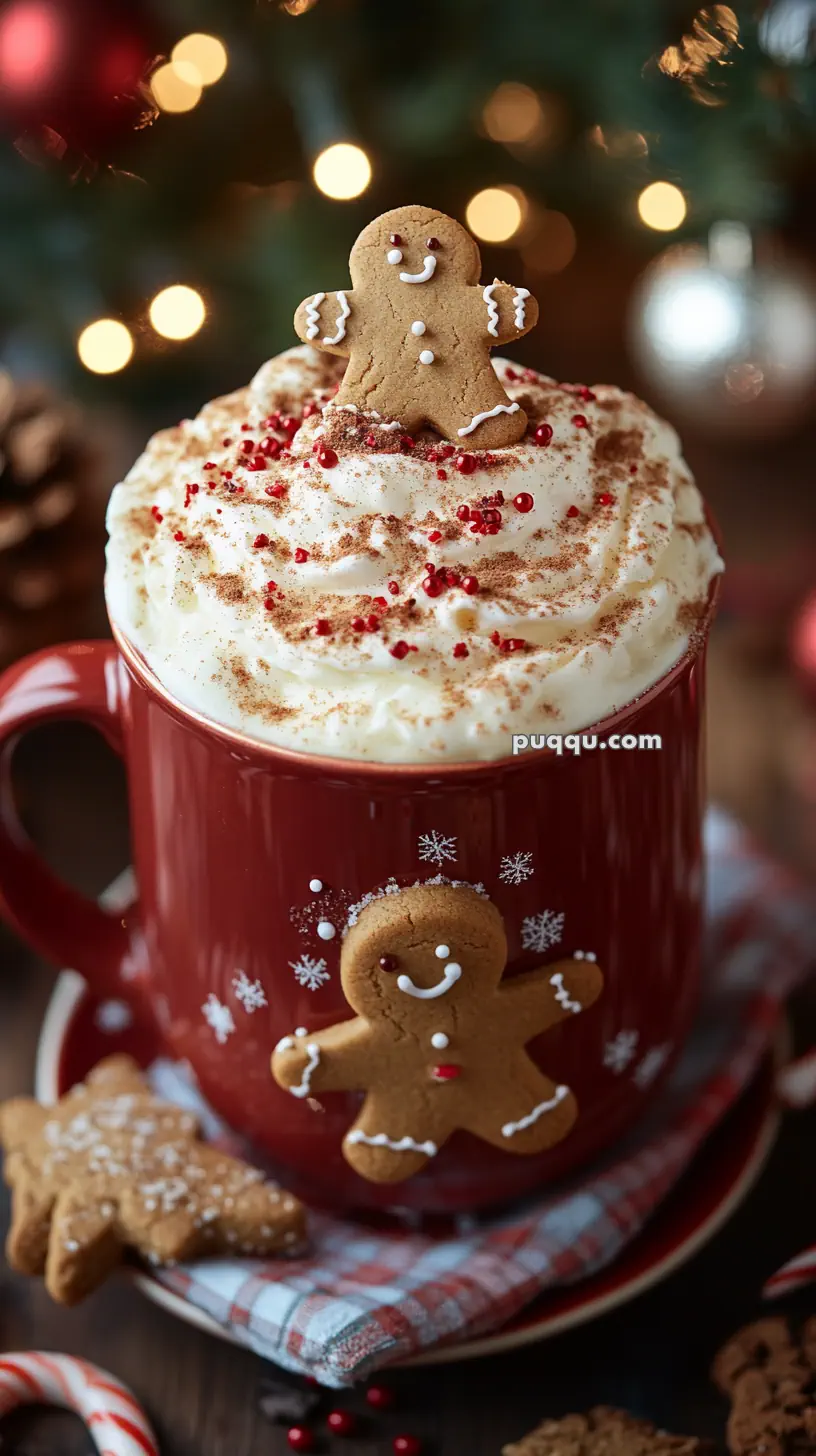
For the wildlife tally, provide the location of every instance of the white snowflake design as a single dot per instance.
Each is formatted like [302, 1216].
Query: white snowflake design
[539, 932]
[219, 1017]
[516, 868]
[620, 1051]
[647, 1071]
[310, 973]
[249, 993]
[437, 847]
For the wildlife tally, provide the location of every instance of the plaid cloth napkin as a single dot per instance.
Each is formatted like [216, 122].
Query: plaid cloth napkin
[361, 1299]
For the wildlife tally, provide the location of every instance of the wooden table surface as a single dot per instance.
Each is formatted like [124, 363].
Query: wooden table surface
[652, 1355]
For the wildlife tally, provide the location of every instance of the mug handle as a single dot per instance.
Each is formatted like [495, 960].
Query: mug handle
[78, 681]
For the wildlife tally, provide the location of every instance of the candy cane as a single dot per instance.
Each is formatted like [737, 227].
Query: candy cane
[797, 1272]
[116, 1422]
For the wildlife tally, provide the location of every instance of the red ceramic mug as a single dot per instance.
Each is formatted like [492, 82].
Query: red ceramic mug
[599, 851]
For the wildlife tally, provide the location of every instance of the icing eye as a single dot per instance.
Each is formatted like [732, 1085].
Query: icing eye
[394, 256]
[388, 963]
[395, 239]
[433, 244]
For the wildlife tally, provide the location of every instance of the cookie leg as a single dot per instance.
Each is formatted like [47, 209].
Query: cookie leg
[389, 1143]
[84, 1247]
[525, 1114]
[27, 1242]
[482, 409]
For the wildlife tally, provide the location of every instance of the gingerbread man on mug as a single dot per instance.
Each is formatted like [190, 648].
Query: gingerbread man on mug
[439, 1039]
[417, 329]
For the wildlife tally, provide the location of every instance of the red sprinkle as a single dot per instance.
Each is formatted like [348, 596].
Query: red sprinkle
[495, 638]
[322, 627]
[441, 474]
[341, 1422]
[466, 464]
[371, 441]
[406, 1445]
[372, 623]
[271, 586]
[310, 409]
[300, 1438]
[573, 511]
[470, 584]
[585, 393]
[460, 650]
[210, 465]
[433, 586]
[269, 603]
[580, 422]
[492, 517]
[605, 498]
[393, 587]
[633, 470]
[445, 451]
[227, 441]
[307, 464]
[301, 555]
[380, 602]
[463, 513]
[434, 536]
[261, 540]
[327, 457]
[270, 446]
[247, 445]
[450, 576]
[290, 425]
[523, 502]
[407, 442]
[246, 426]
[156, 514]
[400, 650]
[543, 434]
[430, 568]
[357, 624]
[510, 375]
[277, 490]
[258, 463]
[380, 1397]
[178, 535]
[227, 474]
[512, 644]
[272, 422]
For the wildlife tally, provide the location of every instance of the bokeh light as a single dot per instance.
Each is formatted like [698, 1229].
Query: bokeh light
[205, 53]
[662, 206]
[342, 171]
[496, 213]
[552, 245]
[513, 113]
[105, 346]
[176, 86]
[177, 312]
[30, 45]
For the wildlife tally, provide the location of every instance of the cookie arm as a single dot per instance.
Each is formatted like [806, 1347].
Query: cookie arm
[326, 320]
[510, 311]
[334, 1060]
[540, 999]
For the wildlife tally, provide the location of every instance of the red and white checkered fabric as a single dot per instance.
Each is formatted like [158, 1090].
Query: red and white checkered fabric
[364, 1297]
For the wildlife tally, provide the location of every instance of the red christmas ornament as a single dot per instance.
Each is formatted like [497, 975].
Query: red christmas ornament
[380, 1397]
[341, 1422]
[523, 502]
[300, 1438]
[406, 1445]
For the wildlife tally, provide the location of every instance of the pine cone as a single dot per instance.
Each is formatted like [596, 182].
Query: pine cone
[51, 520]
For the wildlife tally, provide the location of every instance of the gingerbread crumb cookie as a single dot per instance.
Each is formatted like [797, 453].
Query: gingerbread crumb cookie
[603, 1431]
[769, 1375]
[111, 1167]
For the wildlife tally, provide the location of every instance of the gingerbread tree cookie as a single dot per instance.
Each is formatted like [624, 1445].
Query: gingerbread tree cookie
[439, 1039]
[112, 1167]
[417, 329]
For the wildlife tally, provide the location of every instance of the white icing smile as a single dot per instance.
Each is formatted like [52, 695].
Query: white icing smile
[427, 272]
[429, 993]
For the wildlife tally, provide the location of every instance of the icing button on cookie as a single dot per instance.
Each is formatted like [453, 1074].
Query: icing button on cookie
[446, 1072]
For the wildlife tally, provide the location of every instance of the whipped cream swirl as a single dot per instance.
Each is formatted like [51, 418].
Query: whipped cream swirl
[311, 577]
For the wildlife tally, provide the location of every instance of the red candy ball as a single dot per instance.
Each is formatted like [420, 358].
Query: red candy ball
[466, 464]
[543, 434]
[523, 502]
[341, 1422]
[433, 586]
[380, 1397]
[300, 1438]
[470, 584]
[406, 1445]
[327, 458]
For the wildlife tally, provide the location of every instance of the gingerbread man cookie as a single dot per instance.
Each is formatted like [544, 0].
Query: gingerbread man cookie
[112, 1167]
[439, 1039]
[417, 329]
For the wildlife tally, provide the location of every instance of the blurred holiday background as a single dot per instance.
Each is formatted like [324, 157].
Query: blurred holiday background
[175, 176]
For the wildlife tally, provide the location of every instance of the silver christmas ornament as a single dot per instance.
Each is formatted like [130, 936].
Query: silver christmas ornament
[726, 342]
